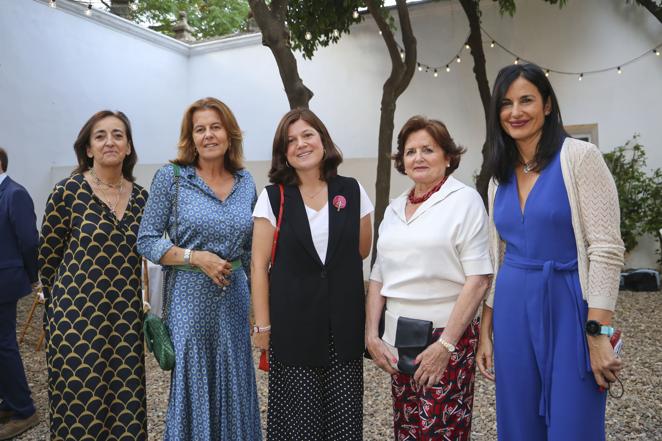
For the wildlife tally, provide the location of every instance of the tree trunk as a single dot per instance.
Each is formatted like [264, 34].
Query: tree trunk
[275, 35]
[402, 72]
[476, 43]
[653, 7]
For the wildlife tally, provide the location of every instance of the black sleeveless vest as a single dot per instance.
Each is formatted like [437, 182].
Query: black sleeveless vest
[309, 298]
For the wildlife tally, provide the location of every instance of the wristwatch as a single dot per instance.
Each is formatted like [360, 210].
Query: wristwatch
[449, 346]
[187, 256]
[261, 329]
[594, 329]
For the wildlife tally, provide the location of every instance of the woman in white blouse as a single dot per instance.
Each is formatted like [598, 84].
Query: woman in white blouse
[309, 308]
[432, 264]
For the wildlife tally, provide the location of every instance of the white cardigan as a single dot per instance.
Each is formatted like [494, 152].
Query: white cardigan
[596, 222]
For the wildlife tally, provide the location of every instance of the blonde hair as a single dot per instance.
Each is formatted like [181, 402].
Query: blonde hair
[186, 152]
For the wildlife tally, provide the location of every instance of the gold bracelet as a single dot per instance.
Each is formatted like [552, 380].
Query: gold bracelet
[449, 346]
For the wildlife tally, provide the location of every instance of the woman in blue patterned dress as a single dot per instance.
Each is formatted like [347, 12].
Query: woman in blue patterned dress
[212, 390]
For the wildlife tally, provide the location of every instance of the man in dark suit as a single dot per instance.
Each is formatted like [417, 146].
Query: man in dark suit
[19, 240]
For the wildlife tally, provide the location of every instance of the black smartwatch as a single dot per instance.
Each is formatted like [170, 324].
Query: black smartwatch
[595, 329]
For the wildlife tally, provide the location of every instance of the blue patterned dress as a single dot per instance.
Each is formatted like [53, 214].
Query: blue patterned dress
[212, 389]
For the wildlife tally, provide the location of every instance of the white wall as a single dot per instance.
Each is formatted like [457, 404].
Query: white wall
[59, 67]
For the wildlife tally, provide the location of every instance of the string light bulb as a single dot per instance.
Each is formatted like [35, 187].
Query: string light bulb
[420, 68]
[435, 73]
[466, 45]
[656, 52]
[336, 33]
[52, 4]
[458, 59]
[516, 61]
[546, 72]
[493, 43]
[619, 71]
[308, 36]
[402, 54]
[581, 75]
[448, 68]
[88, 11]
[355, 14]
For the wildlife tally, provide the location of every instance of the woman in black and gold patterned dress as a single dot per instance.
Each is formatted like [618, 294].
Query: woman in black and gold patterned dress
[90, 270]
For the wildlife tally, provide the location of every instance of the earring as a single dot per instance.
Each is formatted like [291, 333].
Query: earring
[287, 164]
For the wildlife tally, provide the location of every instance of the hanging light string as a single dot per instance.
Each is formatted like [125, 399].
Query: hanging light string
[580, 74]
[457, 58]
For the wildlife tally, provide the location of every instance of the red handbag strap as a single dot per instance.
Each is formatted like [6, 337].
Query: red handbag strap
[280, 218]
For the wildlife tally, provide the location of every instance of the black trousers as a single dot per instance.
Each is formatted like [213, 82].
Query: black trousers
[14, 390]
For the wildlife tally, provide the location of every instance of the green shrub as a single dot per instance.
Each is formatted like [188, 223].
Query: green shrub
[639, 193]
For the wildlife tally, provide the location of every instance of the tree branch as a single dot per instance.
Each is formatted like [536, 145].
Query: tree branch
[276, 37]
[653, 7]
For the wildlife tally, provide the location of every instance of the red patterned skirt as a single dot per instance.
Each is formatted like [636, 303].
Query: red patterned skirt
[441, 412]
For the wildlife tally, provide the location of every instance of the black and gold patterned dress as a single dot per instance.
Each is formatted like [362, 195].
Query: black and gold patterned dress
[90, 270]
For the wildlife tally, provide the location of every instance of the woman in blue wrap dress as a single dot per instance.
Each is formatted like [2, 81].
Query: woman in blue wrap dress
[555, 236]
[207, 256]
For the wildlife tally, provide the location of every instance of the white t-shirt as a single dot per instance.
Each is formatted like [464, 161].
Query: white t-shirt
[423, 262]
[318, 220]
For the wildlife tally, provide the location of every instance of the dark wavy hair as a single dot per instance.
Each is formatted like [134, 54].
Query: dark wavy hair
[83, 142]
[438, 131]
[502, 155]
[4, 160]
[280, 172]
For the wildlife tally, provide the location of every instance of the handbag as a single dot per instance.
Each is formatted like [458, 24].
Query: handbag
[264, 357]
[156, 332]
[406, 338]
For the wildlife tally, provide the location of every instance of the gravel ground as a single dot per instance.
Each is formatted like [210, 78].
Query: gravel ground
[636, 416]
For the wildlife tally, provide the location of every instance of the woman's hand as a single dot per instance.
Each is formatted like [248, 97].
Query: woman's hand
[604, 363]
[380, 354]
[217, 269]
[261, 340]
[484, 357]
[431, 363]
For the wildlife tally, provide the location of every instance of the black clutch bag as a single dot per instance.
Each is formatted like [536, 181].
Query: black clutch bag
[412, 336]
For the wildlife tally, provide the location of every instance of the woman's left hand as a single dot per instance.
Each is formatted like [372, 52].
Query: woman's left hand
[431, 363]
[604, 363]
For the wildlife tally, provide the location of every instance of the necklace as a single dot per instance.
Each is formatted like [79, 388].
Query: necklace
[417, 200]
[106, 199]
[99, 181]
[528, 167]
[316, 194]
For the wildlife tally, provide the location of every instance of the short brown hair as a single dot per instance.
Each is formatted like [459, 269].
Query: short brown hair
[438, 131]
[186, 153]
[280, 172]
[83, 142]
[4, 160]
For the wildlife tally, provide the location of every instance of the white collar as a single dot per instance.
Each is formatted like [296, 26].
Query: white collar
[3, 176]
[398, 205]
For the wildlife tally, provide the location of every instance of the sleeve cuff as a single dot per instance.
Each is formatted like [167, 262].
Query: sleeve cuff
[477, 267]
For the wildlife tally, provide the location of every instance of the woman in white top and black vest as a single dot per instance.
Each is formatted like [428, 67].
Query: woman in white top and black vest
[309, 309]
[432, 271]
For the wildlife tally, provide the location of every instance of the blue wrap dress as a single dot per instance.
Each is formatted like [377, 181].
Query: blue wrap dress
[212, 390]
[545, 389]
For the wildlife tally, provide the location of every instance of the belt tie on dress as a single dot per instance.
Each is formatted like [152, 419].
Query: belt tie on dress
[542, 330]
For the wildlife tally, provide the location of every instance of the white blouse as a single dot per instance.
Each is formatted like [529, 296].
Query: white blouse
[423, 262]
[318, 220]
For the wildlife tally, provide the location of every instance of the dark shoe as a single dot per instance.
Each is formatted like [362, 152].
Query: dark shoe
[17, 426]
[5, 415]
